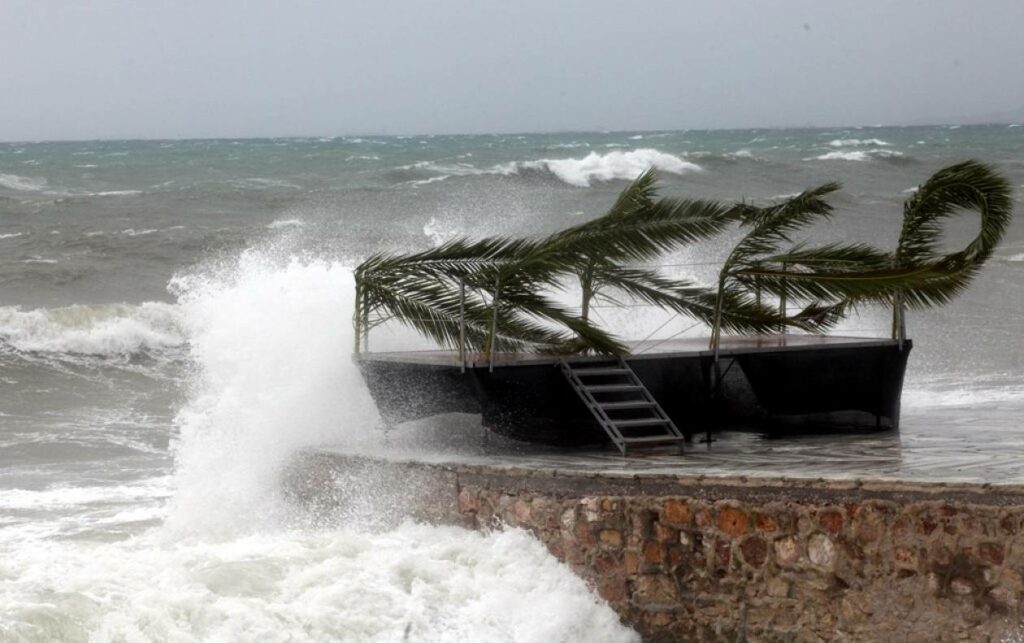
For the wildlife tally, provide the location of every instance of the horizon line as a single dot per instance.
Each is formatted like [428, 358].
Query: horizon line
[508, 133]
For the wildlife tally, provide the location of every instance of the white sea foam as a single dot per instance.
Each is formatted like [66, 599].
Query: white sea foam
[612, 165]
[286, 223]
[1015, 258]
[367, 157]
[67, 496]
[414, 583]
[92, 330]
[962, 396]
[10, 235]
[857, 142]
[857, 155]
[579, 172]
[22, 183]
[437, 233]
[271, 343]
[116, 193]
[433, 179]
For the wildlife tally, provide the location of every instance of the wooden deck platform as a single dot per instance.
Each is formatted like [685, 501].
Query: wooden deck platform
[638, 350]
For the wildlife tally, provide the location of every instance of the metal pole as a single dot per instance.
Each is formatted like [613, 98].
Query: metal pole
[366, 327]
[462, 325]
[782, 303]
[494, 320]
[901, 321]
[357, 319]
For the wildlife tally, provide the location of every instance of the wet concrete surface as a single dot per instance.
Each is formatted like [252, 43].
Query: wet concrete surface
[946, 444]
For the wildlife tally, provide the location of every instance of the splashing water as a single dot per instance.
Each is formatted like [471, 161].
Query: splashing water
[270, 342]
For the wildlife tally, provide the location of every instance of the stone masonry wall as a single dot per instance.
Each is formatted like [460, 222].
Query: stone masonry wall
[731, 559]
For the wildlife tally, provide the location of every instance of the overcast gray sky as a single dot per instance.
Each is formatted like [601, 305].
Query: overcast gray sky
[74, 69]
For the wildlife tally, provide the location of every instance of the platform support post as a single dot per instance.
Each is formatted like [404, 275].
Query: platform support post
[782, 304]
[462, 325]
[494, 322]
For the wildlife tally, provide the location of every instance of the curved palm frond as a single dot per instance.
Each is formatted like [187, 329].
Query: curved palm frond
[771, 227]
[917, 275]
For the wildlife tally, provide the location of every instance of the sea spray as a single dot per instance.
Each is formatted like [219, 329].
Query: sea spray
[415, 583]
[271, 342]
[270, 339]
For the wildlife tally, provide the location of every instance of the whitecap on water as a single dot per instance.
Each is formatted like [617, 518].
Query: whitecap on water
[857, 155]
[22, 183]
[110, 329]
[857, 142]
[612, 165]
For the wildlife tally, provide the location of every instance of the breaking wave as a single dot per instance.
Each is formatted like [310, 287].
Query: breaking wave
[858, 142]
[22, 183]
[613, 165]
[414, 583]
[859, 155]
[578, 172]
[109, 329]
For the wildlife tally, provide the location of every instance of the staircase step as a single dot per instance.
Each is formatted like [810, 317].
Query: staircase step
[656, 421]
[653, 439]
[621, 424]
[637, 404]
[614, 388]
[600, 371]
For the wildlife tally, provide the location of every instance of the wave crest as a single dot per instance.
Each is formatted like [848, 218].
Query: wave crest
[612, 165]
[858, 155]
[579, 172]
[22, 183]
[109, 329]
[858, 142]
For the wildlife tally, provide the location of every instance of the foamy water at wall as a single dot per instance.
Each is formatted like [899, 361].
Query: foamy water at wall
[175, 325]
[207, 552]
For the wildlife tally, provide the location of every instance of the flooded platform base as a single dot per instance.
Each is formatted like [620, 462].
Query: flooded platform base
[693, 549]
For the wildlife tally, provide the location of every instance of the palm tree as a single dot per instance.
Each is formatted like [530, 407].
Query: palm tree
[496, 284]
[916, 275]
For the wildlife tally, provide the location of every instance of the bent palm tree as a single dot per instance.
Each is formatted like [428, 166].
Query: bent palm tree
[917, 274]
[495, 284]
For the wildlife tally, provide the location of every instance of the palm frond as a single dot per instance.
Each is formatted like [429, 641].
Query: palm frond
[969, 185]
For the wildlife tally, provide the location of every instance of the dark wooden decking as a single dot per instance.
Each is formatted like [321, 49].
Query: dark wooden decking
[638, 349]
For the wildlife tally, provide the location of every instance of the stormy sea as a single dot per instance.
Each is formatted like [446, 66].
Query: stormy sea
[175, 324]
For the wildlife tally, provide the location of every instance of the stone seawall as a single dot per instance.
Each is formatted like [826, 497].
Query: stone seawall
[699, 558]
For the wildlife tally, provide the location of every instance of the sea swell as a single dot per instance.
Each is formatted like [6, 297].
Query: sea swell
[108, 329]
[577, 172]
[861, 155]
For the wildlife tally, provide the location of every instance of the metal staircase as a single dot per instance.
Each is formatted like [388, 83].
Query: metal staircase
[622, 405]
